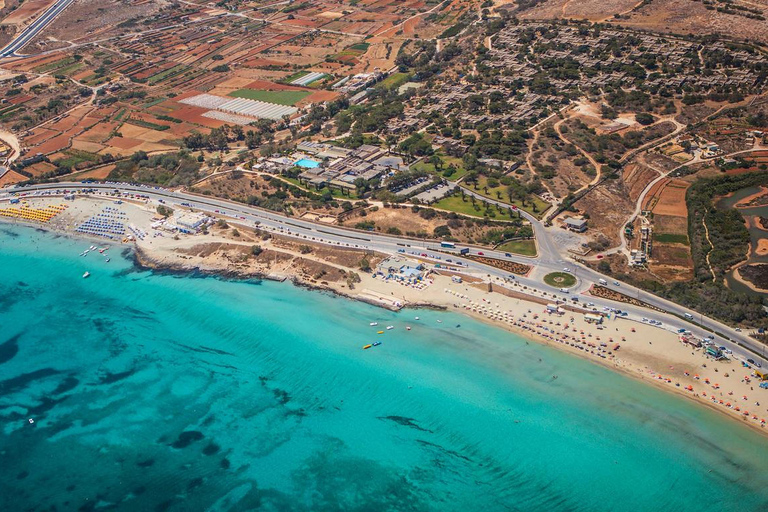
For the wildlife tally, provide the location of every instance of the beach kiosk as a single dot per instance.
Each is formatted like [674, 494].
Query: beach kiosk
[714, 352]
[592, 318]
[761, 374]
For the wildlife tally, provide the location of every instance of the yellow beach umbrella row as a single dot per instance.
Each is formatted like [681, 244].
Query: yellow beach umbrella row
[35, 214]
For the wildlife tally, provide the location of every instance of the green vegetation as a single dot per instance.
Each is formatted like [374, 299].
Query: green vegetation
[75, 157]
[394, 81]
[522, 247]
[453, 30]
[170, 169]
[476, 208]
[280, 97]
[295, 76]
[512, 194]
[671, 238]
[164, 211]
[730, 239]
[360, 47]
[159, 77]
[560, 279]
[147, 124]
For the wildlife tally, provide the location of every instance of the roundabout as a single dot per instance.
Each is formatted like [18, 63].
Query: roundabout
[560, 279]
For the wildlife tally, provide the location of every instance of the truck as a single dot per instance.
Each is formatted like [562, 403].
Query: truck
[464, 251]
[448, 245]
[602, 282]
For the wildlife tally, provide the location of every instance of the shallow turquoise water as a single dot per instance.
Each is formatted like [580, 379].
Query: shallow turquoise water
[160, 392]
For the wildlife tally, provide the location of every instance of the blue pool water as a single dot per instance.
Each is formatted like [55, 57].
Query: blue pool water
[153, 391]
[307, 163]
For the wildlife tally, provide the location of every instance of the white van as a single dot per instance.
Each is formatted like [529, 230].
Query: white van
[565, 290]
[603, 282]
[689, 316]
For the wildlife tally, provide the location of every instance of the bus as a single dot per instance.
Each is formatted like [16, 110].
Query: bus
[448, 245]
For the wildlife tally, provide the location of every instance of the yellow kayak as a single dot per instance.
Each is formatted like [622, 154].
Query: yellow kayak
[380, 332]
[367, 346]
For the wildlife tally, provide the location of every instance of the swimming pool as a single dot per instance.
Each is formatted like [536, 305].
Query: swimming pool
[307, 163]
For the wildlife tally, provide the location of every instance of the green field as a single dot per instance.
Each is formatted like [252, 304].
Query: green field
[671, 238]
[75, 157]
[500, 194]
[394, 81]
[456, 204]
[560, 279]
[295, 76]
[522, 247]
[424, 165]
[335, 192]
[288, 98]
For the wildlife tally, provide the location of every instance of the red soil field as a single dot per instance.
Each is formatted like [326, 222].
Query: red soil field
[55, 144]
[124, 142]
[10, 178]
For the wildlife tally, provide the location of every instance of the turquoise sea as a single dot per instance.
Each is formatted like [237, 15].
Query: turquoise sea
[160, 392]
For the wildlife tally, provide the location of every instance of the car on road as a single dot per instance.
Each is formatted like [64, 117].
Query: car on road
[616, 283]
[480, 254]
[566, 269]
[507, 255]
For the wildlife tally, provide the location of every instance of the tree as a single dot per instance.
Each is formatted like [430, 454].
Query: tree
[256, 250]
[164, 211]
[644, 118]
[365, 265]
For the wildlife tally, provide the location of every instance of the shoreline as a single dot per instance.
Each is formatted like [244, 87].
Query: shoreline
[181, 269]
[640, 358]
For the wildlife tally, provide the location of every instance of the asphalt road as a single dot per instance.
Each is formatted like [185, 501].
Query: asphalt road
[35, 28]
[548, 260]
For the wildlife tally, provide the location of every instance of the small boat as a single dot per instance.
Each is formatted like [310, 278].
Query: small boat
[408, 328]
[390, 327]
[366, 347]
[374, 323]
[439, 321]
[379, 332]
[107, 260]
[416, 318]
[86, 274]
[376, 343]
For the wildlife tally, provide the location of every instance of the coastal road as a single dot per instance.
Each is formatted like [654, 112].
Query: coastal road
[671, 316]
[35, 28]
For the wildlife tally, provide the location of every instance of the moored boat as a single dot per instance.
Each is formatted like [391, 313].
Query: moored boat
[87, 274]
[374, 323]
[390, 327]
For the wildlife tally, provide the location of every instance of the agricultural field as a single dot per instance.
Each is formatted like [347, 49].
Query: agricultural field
[279, 97]
[671, 255]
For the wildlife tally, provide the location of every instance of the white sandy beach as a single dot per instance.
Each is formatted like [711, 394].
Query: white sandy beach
[646, 352]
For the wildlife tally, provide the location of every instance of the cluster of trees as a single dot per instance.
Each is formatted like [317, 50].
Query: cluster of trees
[169, 169]
[218, 139]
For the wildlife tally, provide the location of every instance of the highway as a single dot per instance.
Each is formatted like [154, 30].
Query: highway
[671, 317]
[35, 28]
